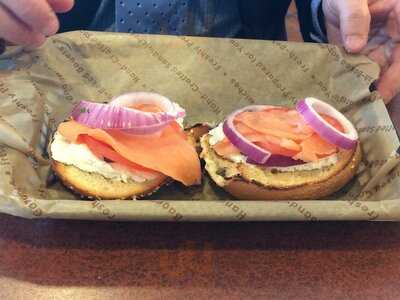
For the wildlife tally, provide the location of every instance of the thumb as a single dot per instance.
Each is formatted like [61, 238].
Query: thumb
[61, 6]
[355, 21]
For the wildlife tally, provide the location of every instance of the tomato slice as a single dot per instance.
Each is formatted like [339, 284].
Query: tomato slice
[103, 150]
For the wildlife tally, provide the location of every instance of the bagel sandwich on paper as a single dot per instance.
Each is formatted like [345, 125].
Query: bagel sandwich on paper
[266, 152]
[125, 149]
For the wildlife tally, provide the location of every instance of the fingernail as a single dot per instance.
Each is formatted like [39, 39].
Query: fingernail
[354, 43]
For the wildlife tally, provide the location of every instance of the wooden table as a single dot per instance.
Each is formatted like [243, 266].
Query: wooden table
[56, 259]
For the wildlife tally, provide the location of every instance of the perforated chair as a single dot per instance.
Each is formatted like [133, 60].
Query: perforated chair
[218, 18]
[156, 17]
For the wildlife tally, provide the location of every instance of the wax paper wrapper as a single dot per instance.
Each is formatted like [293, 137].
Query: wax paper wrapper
[210, 78]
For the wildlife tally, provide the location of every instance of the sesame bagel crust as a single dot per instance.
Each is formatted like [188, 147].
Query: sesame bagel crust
[250, 182]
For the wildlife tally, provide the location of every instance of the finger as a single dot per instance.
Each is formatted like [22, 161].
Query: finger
[379, 10]
[354, 23]
[378, 55]
[389, 83]
[397, 12]
[394, 110]
[334, 36]
[392, 29]
[376, 41]
[14, 31]
[37, 14]
[61, 6]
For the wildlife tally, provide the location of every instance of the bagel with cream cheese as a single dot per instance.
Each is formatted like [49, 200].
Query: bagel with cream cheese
[277, 153]
[126, 149]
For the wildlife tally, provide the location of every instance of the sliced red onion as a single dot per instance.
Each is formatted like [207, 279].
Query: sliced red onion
[252, 151]
[311, 108]
[117, 116]
[167, 106]
[276, 160]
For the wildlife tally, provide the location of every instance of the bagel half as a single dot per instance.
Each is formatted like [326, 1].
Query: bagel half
[250, 182]
[95, 186]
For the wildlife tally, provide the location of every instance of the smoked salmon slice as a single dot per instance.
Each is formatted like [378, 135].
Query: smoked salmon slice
[170, 153]
[272, 122]
[280, 131]
[314, 148]
[103, 151]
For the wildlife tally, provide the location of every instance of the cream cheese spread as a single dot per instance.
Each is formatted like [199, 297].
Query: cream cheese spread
[80, 156]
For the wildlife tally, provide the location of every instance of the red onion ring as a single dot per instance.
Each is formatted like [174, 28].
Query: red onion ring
[117, 116]
[310, 108]
[167, 106]
[252, 151]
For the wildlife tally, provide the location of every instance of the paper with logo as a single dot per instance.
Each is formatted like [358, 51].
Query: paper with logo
[210, 78]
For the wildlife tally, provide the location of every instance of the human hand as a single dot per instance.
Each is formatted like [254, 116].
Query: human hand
[371, 28]
[29, 22]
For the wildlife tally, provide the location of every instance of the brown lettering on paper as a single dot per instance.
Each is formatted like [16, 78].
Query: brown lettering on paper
[182, 76]
[268, 74]
[102, 209]
[3, 88]
[4, 161]
[322, 85]
[170, 209]
[363, 207]
[26, 200]
[376, 129]
[292, 56]
[30, 151]
[348, 67]
[391, 177]
[242, 91]
[5, 91]
[67, 88]
[113, 58]
[204, 54]
[308, 215]
[306, 69]
[374, 163]
[324, 89]
[80, 70]
[357, 199]
[240, 213]
[51, 122]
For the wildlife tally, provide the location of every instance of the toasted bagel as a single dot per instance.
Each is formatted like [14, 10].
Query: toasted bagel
[251, 182]
[95, 186]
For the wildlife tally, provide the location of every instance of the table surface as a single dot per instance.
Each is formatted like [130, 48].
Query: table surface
[57, 259]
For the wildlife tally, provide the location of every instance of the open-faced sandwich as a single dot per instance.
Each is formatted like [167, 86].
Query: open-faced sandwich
[266, 152]
[127, 148]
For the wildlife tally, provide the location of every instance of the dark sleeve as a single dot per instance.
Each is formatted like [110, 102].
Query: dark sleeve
[80, 17]
[308, 30]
